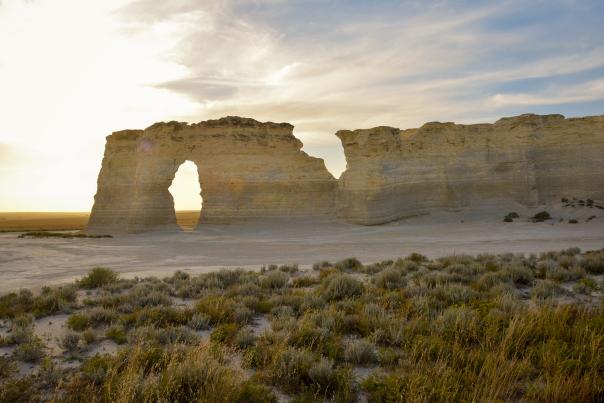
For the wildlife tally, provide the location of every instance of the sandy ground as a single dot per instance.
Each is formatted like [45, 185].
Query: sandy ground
[32, 263]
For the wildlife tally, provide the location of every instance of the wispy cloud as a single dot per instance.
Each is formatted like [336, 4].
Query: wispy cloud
[321, 65]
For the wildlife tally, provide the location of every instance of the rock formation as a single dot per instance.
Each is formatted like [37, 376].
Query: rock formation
[528, 159]
[247, 169]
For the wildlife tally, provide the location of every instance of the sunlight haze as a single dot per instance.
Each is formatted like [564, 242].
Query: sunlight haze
[73, 71]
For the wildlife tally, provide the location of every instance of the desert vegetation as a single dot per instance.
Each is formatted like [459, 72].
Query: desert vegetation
[457, 328]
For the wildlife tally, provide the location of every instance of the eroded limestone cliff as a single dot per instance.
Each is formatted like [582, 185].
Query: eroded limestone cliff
[528, 159]
[247, 169]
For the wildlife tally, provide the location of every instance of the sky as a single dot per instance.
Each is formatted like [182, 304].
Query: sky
[73, 71]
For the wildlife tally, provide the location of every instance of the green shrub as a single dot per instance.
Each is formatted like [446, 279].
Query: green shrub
[19, 390]
[274, 280]
[78, 322]
[303, 373]
[339, 286]
[518, 275]
[225, 333]
[176, 375]
[390, 279]
[88, 337]
[148, 335]
[593, 262]
[254, 392]
[304, 281]
[95, 369]
[321, 265]
[244, 338]
[117, 334]
[541, 216]
[454, 294]
[199, 321]
[70, 342]
[7, 368]
[349, 264]
[360, 352]
[31, 351]
[417, 257]
[98, 277]
[545, 289]
[589, 283]
[218, 309]
[159, 316]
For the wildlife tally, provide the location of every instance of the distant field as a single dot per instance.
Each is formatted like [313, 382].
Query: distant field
[55, 221]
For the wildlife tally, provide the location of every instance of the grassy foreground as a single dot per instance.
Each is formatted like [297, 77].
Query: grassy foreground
[458, 328]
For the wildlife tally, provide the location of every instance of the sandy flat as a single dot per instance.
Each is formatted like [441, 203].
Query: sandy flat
[38, 262]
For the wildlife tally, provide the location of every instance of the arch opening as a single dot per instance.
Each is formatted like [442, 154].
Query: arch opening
[186, 192]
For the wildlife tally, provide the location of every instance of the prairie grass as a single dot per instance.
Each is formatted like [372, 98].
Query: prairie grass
[458, 328]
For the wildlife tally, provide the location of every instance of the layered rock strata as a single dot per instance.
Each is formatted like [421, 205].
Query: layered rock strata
[247, 169]
[528, 159]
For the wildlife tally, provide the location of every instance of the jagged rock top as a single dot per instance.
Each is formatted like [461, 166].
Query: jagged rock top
[228, 121]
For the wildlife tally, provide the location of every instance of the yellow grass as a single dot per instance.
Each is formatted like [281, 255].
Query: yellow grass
[57, 221]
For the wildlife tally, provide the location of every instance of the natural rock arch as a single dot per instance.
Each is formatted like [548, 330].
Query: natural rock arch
[247, 169]
[185, 189]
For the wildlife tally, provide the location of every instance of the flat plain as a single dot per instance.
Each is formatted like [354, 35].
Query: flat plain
[34, 262]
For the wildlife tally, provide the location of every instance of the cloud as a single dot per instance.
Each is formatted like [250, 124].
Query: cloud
[78, 70]
[354, 63]
[556, 95]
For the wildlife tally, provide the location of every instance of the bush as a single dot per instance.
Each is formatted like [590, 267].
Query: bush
[274, 280]
[519, 275]
[340, 286]
[95, 368]
[199, 321]
[32, 351]
[573, 221]
[390, 279]
[360, 352]
[417, 257]
[177, 375]
[593, 262]
[7, 368]
[217, 309]
[88, 337]
[78, 322]
[224, 333]
[510, 216]
[98, 277]
[244, 338]
[454, 294]
[321, 265]
[304, 281]
[254, 392]
[117, 334]
[541, 216]
[303, 373]
[545, 289]
[349, 264]
[70, 342]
